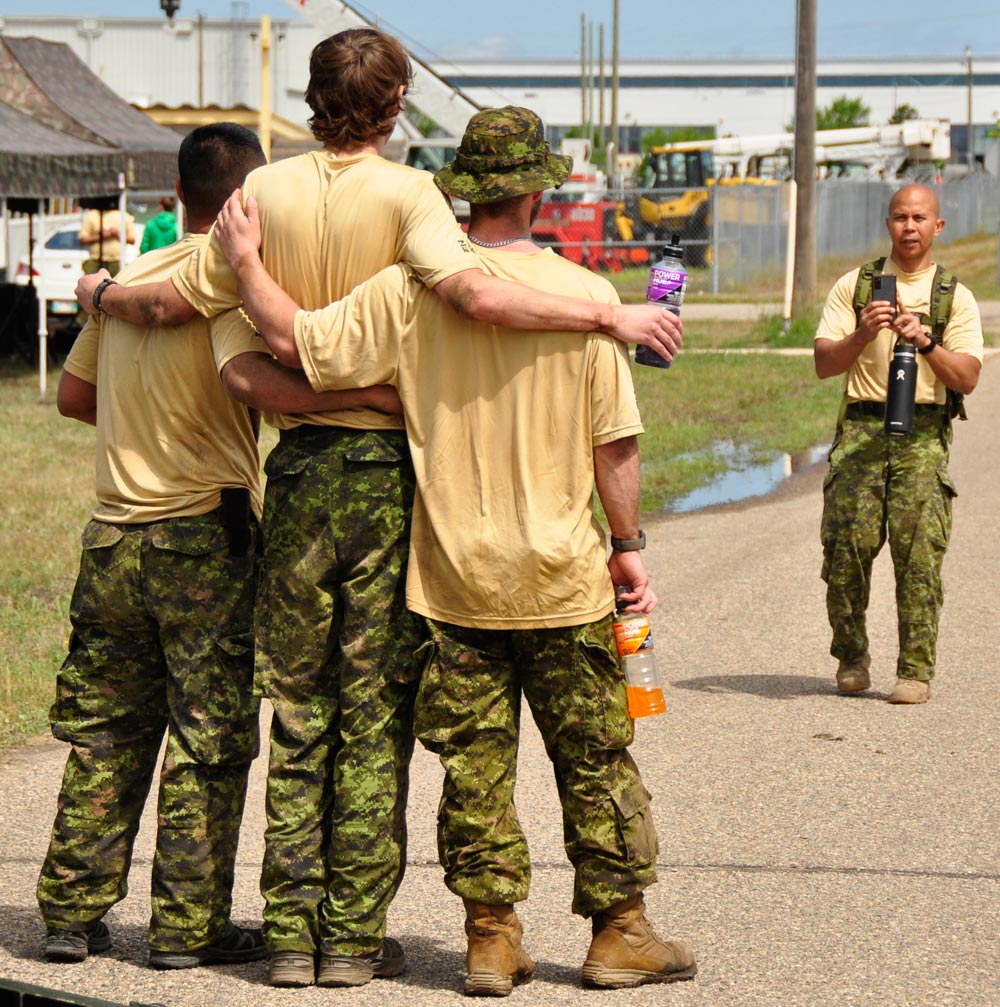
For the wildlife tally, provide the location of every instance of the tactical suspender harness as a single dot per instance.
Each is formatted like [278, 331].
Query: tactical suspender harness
[942, 296]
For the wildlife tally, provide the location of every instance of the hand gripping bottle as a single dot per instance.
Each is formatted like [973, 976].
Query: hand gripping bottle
[634, 640]
[667, 283]
[902, 389]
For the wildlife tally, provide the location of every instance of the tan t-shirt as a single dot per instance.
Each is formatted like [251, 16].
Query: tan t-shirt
[328, 224]
[111, 248]
[169, 435]
[502, 427]
[868, 377]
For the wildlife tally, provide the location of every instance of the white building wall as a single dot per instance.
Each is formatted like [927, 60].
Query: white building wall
[740, 97]
[148, 62]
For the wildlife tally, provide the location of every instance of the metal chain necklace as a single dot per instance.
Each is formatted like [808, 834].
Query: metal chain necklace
[499, 244]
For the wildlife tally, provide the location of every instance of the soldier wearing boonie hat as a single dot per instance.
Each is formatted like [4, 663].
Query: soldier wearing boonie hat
[493, 544]
[503, 154]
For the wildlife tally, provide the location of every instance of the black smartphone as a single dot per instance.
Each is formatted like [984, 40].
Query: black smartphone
[884, 289]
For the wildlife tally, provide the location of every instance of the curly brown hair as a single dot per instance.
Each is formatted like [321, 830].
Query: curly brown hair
[354, 82]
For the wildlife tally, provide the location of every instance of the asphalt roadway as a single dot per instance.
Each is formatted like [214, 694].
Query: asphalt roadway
[815, 849]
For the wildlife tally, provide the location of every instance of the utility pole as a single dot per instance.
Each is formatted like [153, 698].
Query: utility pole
[601, 121]
[804, 278]
[583, 75]
[612, 165]
[265, 86]
[201, 60]
[970, 142]
[589, 132]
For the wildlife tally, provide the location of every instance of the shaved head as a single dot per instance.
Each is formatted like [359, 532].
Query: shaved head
[913, 224]
[914, 190]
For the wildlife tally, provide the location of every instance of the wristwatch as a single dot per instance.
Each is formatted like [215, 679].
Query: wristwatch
[629, 544]
[99, 292]
[929, 348]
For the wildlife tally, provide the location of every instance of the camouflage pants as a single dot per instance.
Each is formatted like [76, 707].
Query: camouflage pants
[162, 623]
[468, 713]
[335, 658]
[898, 487]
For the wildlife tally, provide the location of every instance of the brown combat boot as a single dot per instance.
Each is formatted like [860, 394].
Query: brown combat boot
[625, 950]
[853, 676]
[910, 691]
[495, 961]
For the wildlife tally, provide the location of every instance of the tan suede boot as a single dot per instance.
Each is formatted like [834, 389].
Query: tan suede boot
[853, 676]
[625, 950]
[495, 961]
[909, 690]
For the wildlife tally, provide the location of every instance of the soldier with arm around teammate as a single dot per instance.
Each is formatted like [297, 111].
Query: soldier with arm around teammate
[509, 436]
[162, 610]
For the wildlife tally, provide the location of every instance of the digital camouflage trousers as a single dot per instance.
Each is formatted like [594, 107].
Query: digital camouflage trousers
[883, 486]
[468, 713]
[335, 658]
[162, 641]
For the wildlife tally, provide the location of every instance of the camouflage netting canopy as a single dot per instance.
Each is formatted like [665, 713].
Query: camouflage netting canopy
[64, 132]
[37, 162]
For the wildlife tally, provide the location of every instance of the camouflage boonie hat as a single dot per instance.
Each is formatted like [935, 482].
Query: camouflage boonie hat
[503, 154]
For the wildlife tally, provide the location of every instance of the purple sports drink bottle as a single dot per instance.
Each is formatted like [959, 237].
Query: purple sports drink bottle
[667, 282]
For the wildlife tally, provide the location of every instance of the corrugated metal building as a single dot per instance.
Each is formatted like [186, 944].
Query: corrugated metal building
[198, 62]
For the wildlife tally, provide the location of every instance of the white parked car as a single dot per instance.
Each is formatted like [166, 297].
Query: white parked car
[58, 261]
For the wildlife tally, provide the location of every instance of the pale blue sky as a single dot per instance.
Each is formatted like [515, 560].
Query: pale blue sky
[651, 28]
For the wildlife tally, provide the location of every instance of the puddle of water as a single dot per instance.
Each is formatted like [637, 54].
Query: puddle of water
[746, 477]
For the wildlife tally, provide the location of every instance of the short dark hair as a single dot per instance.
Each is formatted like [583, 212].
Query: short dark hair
[214, 160]
[499, 208]
[354, 82]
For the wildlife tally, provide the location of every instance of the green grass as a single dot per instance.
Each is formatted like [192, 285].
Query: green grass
[973, 259]
[47, 465]
[774, 333]
[763, 403]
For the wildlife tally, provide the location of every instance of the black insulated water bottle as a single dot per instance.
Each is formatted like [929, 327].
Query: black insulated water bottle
[902, 390]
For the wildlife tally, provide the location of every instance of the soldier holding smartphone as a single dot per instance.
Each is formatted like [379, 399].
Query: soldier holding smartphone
[896, 487]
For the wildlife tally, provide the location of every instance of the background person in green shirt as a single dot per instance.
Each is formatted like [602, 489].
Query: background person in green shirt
[162, 229]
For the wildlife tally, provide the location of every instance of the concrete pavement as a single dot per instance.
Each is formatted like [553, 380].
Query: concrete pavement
[815, 849]
[695, 310]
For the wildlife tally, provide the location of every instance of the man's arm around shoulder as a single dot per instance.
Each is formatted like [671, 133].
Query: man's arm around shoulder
[152, 305]
[495, 301]
[261, 382]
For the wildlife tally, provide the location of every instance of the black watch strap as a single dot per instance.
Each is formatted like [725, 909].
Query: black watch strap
[929, 348]
[99, 292]
[629, 544]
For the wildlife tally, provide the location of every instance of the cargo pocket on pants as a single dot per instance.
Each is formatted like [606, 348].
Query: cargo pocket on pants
[635, 822]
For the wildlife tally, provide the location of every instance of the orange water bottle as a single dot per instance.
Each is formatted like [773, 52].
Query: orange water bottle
[634, 640]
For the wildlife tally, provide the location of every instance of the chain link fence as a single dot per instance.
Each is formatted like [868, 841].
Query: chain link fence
[736, 234]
